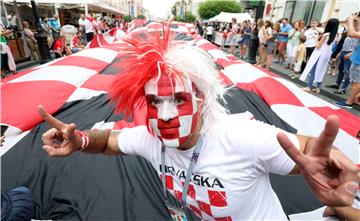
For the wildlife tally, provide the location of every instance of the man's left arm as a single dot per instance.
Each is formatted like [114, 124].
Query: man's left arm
[328, 172]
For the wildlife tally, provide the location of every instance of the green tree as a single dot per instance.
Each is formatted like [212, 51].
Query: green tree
[141, 17]
[210, 8]
[177, 18]
[127, 18]
[189, 17]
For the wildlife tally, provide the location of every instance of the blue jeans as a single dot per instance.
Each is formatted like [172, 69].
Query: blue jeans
[17, 204]
[312, 77]
[344, 67]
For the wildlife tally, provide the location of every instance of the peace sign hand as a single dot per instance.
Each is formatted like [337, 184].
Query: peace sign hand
[61, 140]
[330, 174]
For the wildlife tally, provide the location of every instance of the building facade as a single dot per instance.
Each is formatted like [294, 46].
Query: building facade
[321, 10]
[133, 7]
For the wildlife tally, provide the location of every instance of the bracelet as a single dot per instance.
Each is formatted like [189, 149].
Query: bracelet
[332, 209]
[84, 139]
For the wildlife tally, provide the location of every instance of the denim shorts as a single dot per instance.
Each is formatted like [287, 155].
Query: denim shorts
[355, 73]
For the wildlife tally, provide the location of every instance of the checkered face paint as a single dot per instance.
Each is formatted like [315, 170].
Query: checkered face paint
[172, 109]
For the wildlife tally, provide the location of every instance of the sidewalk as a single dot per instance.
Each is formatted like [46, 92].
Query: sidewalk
[24, 65]
[328, 79]
[325, 92]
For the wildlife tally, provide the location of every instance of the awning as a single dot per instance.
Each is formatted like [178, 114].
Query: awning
[92, 4]
[107, 8]
[226, 17]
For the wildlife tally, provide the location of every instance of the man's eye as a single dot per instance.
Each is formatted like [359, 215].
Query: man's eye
[178, 101]
[156, 102]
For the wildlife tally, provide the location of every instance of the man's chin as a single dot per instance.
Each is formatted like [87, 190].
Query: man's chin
[172, 143]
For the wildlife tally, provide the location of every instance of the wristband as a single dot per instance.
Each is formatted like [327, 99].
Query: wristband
[333, 209]
[84, 139]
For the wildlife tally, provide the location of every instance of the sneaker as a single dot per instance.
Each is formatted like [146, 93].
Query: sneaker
[306, 89]
[343, 104]
[335, 86]
[316, 90]
[341, 91]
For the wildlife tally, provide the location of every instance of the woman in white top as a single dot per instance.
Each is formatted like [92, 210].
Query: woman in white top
[293, 43]
[234, 31]
[319, 59]
[262, 41]
[311, 35]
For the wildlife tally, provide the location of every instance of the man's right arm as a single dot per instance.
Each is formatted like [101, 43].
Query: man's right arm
[103, 141]
[63, 139]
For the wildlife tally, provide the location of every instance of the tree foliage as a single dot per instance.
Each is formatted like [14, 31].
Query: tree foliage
[188, 18]
[211, 8]
[127, 18]
[141, 16]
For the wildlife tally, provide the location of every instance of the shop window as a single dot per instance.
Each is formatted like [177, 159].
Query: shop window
[289, 9]
[304, 10]
[318, 10]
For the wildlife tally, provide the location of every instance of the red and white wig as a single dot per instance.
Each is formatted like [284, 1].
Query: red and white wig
[153, 55]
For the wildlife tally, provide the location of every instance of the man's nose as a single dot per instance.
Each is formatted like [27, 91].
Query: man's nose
[167, 111]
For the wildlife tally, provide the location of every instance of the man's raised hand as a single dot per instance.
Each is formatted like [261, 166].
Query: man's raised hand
[61, 140]
[330, 174]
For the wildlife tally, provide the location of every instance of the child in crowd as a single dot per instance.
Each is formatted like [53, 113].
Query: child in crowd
[75, 43]
[224, 38]
[271, 44]
[300, 57]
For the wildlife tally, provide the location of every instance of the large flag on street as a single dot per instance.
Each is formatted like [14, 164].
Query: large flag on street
[98, 187]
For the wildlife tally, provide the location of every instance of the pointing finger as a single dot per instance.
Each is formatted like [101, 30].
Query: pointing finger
[326, 139]
[50, 119]
[291, 150]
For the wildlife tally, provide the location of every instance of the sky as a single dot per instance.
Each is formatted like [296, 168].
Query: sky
[159, 8]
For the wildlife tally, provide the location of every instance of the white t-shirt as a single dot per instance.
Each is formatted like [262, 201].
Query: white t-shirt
[209, 30]
[261, 36]
[311, 37]
[89, 27]
[231, 177]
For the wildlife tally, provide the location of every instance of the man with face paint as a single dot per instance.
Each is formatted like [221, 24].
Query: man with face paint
[216, 164]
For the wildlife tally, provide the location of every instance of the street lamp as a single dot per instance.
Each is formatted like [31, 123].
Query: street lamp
[129, 8]
[40, 36]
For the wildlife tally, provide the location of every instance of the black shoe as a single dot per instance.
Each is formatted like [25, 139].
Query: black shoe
[340, 91]
[335, 86]
[343, 104]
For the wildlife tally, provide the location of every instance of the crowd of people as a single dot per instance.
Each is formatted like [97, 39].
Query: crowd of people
[59, 43]
[309, 51]
[192, 117]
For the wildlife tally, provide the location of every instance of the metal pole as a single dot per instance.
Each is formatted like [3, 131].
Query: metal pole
[129, 8]
[41, 37]
[5, 13]
[86, 9]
